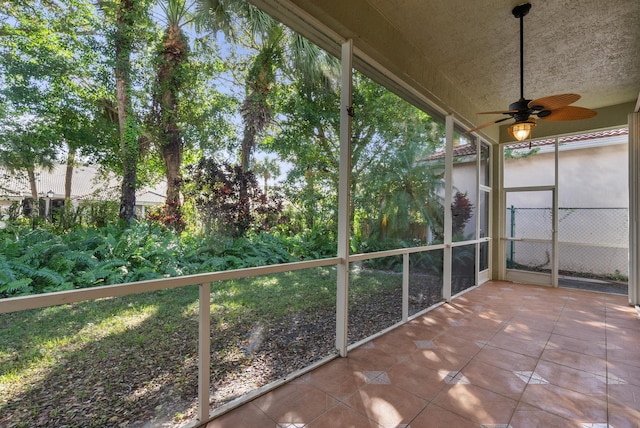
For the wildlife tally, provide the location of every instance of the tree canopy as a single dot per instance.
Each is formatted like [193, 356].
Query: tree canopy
[150, 90]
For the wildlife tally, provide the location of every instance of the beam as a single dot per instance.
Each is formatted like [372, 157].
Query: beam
[346, 113]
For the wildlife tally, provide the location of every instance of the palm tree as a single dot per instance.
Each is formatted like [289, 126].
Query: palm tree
[277, 48]
[304, 59]
[267, 169]
[173, 55]
[410, 193]
[125, 21]
[256, 110]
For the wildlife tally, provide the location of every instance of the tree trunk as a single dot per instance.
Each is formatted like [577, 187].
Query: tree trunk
[128, 139]
[172, 156]
[172, 56]
[68, 176]
[35, 202]
[248, 142]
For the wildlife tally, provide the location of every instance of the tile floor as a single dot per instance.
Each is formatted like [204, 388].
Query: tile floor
[502, 355]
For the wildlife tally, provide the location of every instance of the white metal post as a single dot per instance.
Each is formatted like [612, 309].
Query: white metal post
[479, 195]
[405, 287]
[634, 208]
[555, 218]
[204, 351]
[498, 218]
[346, 113]
[448, 189]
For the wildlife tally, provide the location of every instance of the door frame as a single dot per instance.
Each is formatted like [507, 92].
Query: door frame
[516, 275]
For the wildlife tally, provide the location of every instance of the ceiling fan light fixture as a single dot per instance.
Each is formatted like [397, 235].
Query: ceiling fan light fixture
[522, 130]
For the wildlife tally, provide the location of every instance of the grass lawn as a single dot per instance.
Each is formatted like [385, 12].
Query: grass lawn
[130, 360]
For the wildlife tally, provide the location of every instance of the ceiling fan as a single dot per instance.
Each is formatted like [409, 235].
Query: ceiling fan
[554, 107]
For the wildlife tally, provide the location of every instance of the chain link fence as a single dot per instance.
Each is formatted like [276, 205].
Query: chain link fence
[592, 242]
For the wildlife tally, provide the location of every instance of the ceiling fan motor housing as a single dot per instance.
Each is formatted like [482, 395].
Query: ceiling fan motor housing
[520, 110]
[521, 10]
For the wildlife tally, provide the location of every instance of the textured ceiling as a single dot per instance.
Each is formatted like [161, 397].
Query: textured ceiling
[590, 47]
[465, 54]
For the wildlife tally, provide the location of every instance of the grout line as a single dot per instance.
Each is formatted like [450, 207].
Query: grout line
[555, 324]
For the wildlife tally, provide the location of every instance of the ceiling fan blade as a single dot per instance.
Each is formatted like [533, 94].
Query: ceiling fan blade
[554, 102]
[570, 113]
[499, 112]
[484, 125]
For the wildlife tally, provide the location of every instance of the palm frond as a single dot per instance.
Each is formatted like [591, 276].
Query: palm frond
[217, 15]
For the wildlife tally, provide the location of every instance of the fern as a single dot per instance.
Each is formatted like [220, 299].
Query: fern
[17, 287]
[22, 269]
[49, 276]
[52, 249]
[6, 271]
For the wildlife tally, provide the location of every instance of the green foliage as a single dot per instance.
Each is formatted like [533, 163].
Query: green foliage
[101, 213]
[520, 153]
[220, 192]
[41, 260]
[314, 243]
[119, 82]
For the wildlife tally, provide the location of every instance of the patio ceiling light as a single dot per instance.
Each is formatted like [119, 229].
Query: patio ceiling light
[521, 130]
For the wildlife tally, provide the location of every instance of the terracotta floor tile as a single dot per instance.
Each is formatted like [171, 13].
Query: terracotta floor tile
[476, 404]
[278, 395]
[501, 381]
[340, 378]
[625, 395]
[623, 339]
[247, 416]
[575, 360]
[428, 324]
[342, 416]
[531, 348]
[401, 342]
[527, 416]
[457, 345]
[542, 306]
[587, 383]
[495, 316]
[500, 355]
[587, 347]
[584, 313]
[532, 322]
[525, 331]
[387, 405]
[374, 359]
[623, 416]
[302, 405]
[625, 356]
[438, 359]
[620, 307]
[437, 417]
[625, 322]
[450, 310]
[619, 372]
[471, 332]
[481, 319]
[505, 359]
[566, 403]
[416, 379]
[580, 330]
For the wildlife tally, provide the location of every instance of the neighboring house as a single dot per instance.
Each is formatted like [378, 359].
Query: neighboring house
[87, 184]
[592, 197]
